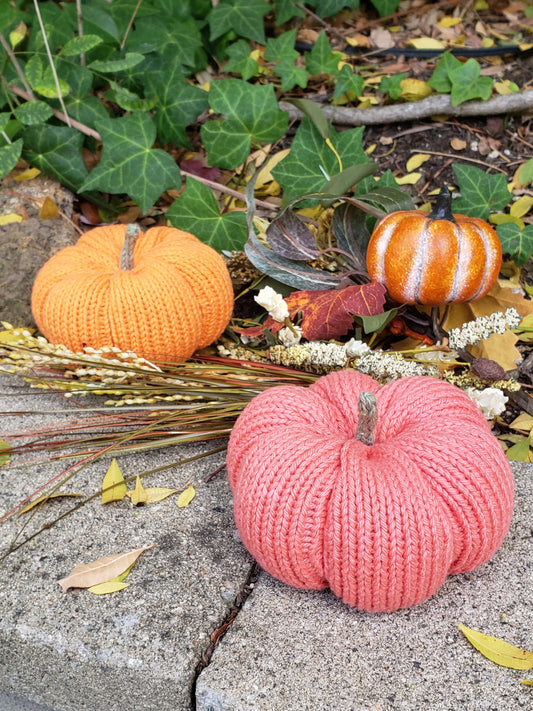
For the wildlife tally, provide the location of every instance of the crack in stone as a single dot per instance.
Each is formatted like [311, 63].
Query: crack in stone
[219, 632]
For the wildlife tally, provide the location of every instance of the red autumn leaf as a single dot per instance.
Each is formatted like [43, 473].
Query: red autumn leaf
[327, 313]
[194, 166]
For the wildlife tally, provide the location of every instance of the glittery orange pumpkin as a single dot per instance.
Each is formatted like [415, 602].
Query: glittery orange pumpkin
[161, 293]
[434, 259]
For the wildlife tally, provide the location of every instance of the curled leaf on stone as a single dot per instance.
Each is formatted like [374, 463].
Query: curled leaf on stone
[498, 651]
[101, 570]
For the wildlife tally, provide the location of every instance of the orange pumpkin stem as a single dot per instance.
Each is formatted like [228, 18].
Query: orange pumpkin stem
[126, 254]
[368, 417]
[443, 206]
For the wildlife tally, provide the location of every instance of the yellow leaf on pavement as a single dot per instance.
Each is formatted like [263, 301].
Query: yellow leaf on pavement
[138, 495]
[49, 209]
[158, 493]
[43, 498]
[186, 496]
[113, 487]
[102, 570]
[498, 651]
[416, 161]
[106, 588]
[9, 218]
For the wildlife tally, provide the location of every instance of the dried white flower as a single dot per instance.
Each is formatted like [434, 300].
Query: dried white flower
[273, 302]
[389, 366]
[483, 327]
[355, 349]
[491, 401]
[290, 336]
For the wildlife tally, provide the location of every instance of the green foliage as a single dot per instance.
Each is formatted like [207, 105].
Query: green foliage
[391, 85]
[462, 80]
[481, 194]
[516, 242]
[244, 17]
[240, 61]
[196, 211]
[322, 59]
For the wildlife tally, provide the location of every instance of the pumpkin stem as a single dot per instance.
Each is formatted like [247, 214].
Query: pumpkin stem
[443, 206]
[126, 254]
[368, 417]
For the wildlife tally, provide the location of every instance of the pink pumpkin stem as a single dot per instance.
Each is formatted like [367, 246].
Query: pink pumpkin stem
[126, 254]
[368, 417]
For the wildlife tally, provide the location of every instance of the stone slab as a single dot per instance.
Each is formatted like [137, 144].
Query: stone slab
[293, 650]
[136, 649]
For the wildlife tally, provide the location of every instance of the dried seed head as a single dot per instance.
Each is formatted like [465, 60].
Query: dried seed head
[488, 369]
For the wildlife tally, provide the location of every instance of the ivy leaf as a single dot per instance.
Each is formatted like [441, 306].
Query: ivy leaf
[440, 79]
[129, 164]
[281, 47]
[328, 8]
[311, 163]
[112, 66]
[56, 151]
[252, 114]
[240, 61]
[178, 104]
[196, 211]
[468, 84]
[291, 75]
[385, 7]
[392, 85]
[480, 193]
[287, 9]
[79, 45]
[128, 100]
[348, 83]
[516, 242]
[244, 17]
[9, 156]
[33, 113]
[322, 59]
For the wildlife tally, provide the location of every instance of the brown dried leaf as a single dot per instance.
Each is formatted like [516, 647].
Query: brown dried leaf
[102, 570]
[49, 209]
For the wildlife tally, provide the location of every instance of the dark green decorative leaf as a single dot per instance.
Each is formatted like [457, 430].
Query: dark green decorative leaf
[129, 163]
[9, 156]
[252, 114]
[315, 114]
[440, 79]
[179, 103]
[196, 211]
[177, 40]
[289, 236]
[244, 17]
[373, 324]
[342, 182]
[56, 151]
[79, 45]
[33, 112]
[296, 274]
[98, 21]
[348, 83]
[311, 163]
[287, 9]
[128, 100]
[481, 193]
[240, 61]
[322, 59]
[81, 104]
[468, 84]
[391, 85]
[516, 242]
[112, 66]
[281, 47]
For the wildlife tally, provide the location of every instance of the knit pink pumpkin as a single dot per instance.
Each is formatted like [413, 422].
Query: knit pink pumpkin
[382, 524]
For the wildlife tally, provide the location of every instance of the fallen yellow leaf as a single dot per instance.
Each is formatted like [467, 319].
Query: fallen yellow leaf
[102, 570]
[9, 218]
[48, 210]
[414, 89]
[106, 588]
[458, 144]
[186, 496]
[27, 174]
[157, 493]
[4, 458]
[113, 487]
[498, 651]
[522, 206]
[138, 495]
[416, 161]
[409, 179]
[449, 21]
[43, 498]
[523, 422]
[427, 43]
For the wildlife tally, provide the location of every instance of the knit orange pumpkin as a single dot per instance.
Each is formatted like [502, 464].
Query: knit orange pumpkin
[434, 259]
[378, 501]
[162, 294]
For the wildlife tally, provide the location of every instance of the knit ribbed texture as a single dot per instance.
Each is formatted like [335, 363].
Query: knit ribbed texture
[177, 298]
[381, 525]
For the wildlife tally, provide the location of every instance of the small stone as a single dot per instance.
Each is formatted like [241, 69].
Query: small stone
[488, 369]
